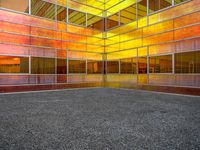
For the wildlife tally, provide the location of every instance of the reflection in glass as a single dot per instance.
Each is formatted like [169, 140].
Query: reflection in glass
[113, 21]
[160, 64]
[43, 9]
[188, 62]
[95, 22]
[112, 66]
[178, 1]
[76, 17]
[61, 66]
[61, 13]
[142, 65]
[155, 5]
[128, 66]
[94, 67]
[128, 14]
[42, 65]
[14, 64]
[142, 9]
[77, 66]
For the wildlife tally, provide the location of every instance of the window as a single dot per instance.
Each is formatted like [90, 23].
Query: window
[94, 67]
[128, 66]
[128, 14]
[43, 9]
[77, 66]
[160, 64]
[112, 66]
[61, 66]
[76, 17]
[178, 1]
[95, 22]
[113, 21]
[42, 65]
[188, 62]
[142, 9]
[155, 5]
[142, 65]
[14, 64]
[14, 5]
[61, 13]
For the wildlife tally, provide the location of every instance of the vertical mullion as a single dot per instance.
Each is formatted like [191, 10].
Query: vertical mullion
[29, 5]
[173, 2]
[29, 64]
[173, 63]
[119, 66]
[86, 67]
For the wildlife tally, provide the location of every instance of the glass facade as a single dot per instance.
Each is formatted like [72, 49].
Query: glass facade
[133, 41]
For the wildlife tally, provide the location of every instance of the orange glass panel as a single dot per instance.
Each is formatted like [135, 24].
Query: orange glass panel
[40, 51]
[14, 38]
[14, 49]
[159, 38]
[162, 48]
[45, 33]
[45, 42]
[187, 32]
[15, 28]
[74, 46]
[187, 19]
[158, 28]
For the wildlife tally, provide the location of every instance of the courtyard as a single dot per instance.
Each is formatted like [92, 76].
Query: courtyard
[99, 118]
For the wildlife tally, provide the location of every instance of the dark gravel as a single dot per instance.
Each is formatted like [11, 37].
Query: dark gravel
[101, 119]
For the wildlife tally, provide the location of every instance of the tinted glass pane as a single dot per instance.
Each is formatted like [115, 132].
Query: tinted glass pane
[128, 66]
[77, 66]
[160, 64]
[155, 5]
[95, 22]
[142, 8]
[14, 64]
[61, 66]
[112, 66]
[42, 65]
[197, 62]
[178, 1]
[76, 17]
[61, 13]
[43, 9]
[95, 67]
[142, 65]
[128, 14]
[14, 5]
[113, 21]
[188, 62]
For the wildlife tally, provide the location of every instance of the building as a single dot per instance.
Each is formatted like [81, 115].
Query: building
[145, 44]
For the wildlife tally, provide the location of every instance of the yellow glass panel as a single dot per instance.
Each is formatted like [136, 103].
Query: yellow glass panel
[122, 54]
[131, 44]
[112, 40]
[131, 35]
[142, 51]
[112, 48]
[142, 22]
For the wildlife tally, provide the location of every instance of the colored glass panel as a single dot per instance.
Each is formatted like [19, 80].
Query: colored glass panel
[14, 64]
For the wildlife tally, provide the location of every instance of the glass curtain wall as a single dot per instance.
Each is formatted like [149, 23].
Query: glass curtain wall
[49, 42]
[59, 41]
[164, 45]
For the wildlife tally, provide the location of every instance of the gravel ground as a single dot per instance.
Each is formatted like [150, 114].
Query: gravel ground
[99, 118]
